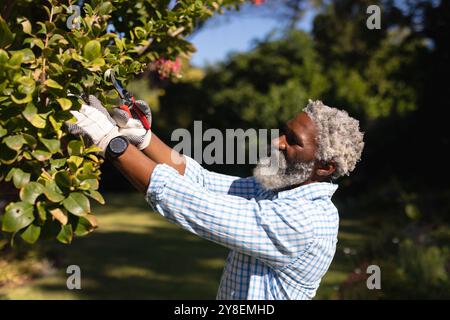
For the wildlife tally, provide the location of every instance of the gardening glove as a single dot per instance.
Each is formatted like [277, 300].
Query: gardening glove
[94, 124]
[131, 127]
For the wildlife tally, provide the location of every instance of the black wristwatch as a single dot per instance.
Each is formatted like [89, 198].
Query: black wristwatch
[116, 147]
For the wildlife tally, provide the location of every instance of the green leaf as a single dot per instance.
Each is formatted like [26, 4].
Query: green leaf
[26, 26]
[41, 210]
[140, 32]
[50, 26]
[57, 163]
[95, 64]
[65, 103]
[3, 131]
[53, 145]
[31, 234]
[99, 62]
[66, 234]
[43, 28]
[37, 121]
[412, 211]
[55, 124]
[89, 184]
[119, 44]
[21, 98]
[93, 149]
[53, 84]
[53, 193]
[16, 58]
[77, 161]
[57, 38]
[39, 43]
[6, 36]
[63, 180]
[86, 171]
[77, 203]
[92, 50]
[88, 9]
[28, 55]
[27, 85]
[27, 155]
[75, 148]
[20, 178]
[57, 9]
[85, 225]
[30, 113]
[30, 140]
[14, 142]
[10, 174]
[41, 155]
[31, 191]
[105, 8]
[53, 196]
[96, 196]
[3, 56]
[17, 216]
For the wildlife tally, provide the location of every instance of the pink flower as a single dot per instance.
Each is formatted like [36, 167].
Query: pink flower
[167, 68]
[258, 2]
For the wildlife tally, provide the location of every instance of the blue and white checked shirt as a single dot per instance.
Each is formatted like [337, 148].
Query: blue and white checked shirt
[281, 244]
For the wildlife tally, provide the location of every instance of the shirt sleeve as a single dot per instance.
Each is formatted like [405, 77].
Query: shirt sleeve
[271, 231]
[220, 183]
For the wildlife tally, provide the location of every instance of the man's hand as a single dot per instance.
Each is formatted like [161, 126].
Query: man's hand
[132, 127]
[94, 123]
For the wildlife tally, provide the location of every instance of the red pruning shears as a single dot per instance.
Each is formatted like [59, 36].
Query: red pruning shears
[128, 103]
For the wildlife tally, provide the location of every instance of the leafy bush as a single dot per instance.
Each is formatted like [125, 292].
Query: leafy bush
[45, 67]
[422, 272]
[409, 270]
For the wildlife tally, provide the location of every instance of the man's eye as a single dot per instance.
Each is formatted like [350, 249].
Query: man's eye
[290, 140]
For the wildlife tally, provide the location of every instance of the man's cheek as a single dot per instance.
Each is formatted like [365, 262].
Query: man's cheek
[306, 155]
[293, 158]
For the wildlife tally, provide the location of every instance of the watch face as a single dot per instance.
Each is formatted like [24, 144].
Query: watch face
[118, 145]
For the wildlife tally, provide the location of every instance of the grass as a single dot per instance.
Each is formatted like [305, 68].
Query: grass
[137, 254]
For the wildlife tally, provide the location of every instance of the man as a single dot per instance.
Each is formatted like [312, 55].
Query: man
[281, 226]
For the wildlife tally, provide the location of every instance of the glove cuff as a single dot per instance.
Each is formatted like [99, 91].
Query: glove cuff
[146, 141]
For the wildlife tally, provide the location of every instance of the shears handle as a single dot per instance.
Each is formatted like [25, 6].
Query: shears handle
[125, 108]
[141, 116]
[128, 98]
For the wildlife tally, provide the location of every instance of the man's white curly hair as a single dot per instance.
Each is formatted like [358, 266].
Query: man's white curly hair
[339, 138]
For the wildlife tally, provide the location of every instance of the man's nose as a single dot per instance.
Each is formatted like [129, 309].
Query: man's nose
[279, 142]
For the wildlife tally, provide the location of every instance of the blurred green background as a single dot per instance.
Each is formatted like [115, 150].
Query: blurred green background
[394, 208]
[137, 254]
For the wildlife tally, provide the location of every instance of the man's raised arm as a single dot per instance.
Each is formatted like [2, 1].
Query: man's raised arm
[146, 141]
[159, 152]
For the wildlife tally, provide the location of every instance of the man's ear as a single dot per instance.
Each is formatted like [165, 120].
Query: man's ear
[325, 169]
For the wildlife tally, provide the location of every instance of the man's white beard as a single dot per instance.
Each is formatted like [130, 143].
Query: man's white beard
[275, 172]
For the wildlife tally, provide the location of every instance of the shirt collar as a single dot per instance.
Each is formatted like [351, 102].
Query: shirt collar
[311, 191]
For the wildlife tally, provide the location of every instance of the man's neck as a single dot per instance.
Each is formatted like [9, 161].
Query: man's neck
[299, 185]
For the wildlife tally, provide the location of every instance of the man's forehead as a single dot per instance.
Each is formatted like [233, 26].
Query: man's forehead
[303, 122]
